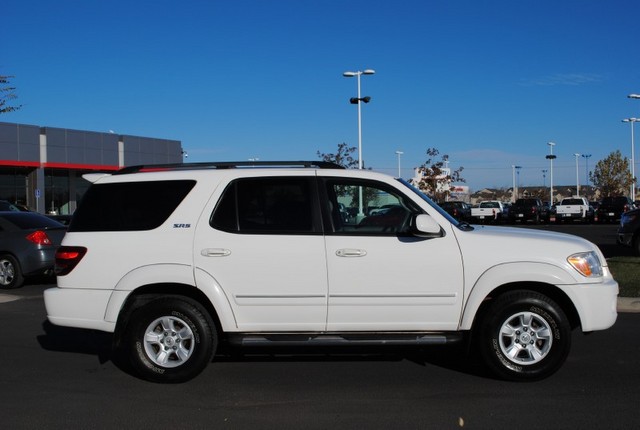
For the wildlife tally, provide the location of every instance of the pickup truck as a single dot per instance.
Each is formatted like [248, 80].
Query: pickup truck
[489, 211]
[574, 208]
[612, 208]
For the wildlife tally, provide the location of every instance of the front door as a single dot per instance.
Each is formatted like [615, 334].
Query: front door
[380, 276]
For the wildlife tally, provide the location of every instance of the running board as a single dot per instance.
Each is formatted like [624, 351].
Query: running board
[343, 339]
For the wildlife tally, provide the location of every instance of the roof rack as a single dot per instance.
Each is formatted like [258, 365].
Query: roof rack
[226, 165]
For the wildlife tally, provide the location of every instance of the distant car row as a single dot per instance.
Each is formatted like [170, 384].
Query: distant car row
[536, 211]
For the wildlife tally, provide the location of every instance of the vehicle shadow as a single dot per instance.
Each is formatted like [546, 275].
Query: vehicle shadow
[454, 358]
[76, 340]
[100, 344]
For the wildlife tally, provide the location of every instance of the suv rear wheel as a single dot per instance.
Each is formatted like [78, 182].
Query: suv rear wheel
[170, 339]
[524, 336]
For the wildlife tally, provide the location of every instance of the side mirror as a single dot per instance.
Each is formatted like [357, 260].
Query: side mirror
[426, 226]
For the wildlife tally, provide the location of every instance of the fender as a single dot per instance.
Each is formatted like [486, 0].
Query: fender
[506, 273]
[146, 275]
[216, 295]
[173, 274]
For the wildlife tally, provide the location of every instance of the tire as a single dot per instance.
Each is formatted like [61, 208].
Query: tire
[10, 273]
[170, 339]
[524, 336]
[636, 245]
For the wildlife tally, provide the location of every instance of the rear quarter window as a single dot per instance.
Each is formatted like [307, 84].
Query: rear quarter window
[129, 206]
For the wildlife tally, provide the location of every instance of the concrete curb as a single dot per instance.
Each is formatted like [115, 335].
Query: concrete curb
[629, 304]
[5, 298]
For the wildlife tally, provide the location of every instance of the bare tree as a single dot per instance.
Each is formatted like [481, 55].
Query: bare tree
[7, 93]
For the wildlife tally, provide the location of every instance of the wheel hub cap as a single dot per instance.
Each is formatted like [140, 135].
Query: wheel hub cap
[169, 341]
[525, 338]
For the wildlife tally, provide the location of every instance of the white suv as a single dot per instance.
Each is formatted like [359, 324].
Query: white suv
[177, 259]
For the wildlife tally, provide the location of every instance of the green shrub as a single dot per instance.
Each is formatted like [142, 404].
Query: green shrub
[626, 270]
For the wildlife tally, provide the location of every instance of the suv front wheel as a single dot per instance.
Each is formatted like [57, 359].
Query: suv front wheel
[170, 339]
[524, 336]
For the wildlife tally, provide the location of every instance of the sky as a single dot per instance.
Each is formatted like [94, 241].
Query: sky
[487, 83]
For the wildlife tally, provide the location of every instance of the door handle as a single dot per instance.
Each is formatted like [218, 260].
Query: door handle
[348, 252]
[215, 252]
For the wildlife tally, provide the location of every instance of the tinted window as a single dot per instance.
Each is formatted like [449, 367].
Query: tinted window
[266, 205]
[129, 206]
[367, 208]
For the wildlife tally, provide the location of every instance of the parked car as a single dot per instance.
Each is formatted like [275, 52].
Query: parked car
[612, 208]
[178, 259]
[459, 210]
[62, 219]
[28, 242]
[529, 209]
[491, 211]
[629, 230]
[6, 206]
[574, 208]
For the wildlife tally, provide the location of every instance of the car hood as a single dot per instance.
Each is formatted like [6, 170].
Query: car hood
[489, 245]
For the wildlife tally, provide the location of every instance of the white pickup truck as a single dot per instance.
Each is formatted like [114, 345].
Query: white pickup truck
[489, 211]
[574, 208]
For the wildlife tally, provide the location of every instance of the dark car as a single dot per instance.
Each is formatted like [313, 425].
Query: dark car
[612, 208]
[28, 242]
[524, 210]
[629, 230]
[6, 206]
[459, 210]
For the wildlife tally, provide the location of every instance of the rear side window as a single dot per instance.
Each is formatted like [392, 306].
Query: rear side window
[267, 206]
[130, 206]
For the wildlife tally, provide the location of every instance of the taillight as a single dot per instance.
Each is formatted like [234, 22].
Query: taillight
[67, 258]
[39, 237]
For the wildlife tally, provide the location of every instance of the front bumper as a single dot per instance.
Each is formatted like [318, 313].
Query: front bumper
[596, 303]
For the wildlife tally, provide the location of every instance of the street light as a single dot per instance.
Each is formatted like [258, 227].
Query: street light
[544, 178]
[577, 177]
[514, 195]
[357, 100]
[399, 153]
[551, 157]
[633, 162]
[586, 168]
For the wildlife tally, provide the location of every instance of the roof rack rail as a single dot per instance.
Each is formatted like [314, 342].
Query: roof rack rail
[226, 165]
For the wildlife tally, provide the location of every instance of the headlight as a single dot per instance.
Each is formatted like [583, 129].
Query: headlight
[587, 263]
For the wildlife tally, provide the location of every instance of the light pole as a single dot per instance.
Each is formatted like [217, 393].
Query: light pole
[399, 153]
[632, 193]
[577, 177]
[544, 178]
[586, 168]
[356, 101]
[515, 168]
[551, 157]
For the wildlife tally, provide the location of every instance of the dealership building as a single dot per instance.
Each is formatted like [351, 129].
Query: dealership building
[42, 167]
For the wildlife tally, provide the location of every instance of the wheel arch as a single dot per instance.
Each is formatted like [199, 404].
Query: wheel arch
[537, 277]
[146, 293]
[551, 291]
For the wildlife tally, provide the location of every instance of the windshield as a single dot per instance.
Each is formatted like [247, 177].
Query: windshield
[433, 204]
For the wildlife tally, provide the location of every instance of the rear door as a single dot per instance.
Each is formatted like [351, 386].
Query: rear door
[264, 247]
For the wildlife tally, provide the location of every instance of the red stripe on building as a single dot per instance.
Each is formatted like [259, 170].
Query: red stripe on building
[80, 166]
[14, 163]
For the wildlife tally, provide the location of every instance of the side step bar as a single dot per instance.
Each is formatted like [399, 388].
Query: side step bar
[343, 339]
